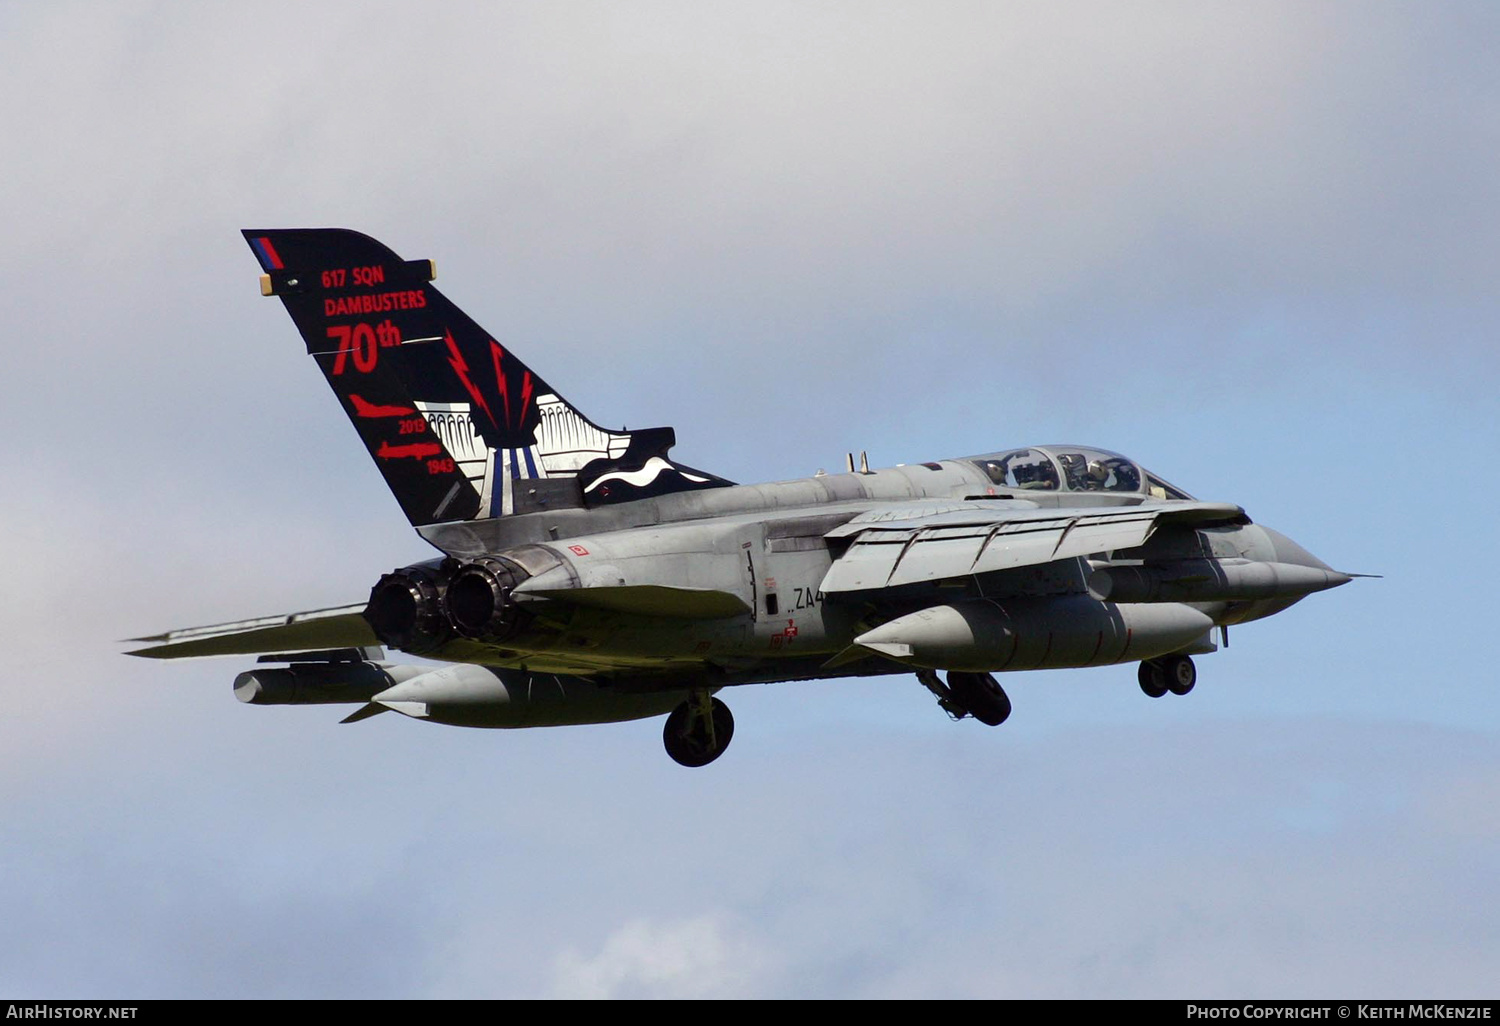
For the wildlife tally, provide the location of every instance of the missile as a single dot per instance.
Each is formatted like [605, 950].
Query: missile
[986, 635]
[1211, 580]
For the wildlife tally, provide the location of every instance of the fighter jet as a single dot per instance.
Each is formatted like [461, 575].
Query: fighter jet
[587, 577]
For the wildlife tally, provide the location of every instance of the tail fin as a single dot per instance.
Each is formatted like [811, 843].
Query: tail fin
[460, 428]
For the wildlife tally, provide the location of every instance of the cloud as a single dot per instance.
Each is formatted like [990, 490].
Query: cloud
[694, 958]
[1264, 859]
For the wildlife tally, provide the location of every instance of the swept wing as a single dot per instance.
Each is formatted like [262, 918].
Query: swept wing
[888, 547]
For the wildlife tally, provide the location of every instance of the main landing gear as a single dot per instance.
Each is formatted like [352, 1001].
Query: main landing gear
[1174, 673]
[969, 694]
[698, 730]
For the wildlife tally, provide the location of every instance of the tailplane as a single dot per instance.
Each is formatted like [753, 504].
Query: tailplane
[458, 425]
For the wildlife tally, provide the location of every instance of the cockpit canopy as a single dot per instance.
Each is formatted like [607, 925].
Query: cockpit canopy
[1072, 468]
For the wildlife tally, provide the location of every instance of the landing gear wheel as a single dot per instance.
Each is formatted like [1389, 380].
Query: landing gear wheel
[1180, 674]
[698, 731]
[1153, 679]
[982, 695]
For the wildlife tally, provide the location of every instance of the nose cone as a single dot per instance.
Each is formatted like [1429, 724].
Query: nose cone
[1289, 551]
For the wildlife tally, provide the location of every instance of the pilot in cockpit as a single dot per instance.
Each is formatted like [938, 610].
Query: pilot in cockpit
[1041, 475]
[1127, 479]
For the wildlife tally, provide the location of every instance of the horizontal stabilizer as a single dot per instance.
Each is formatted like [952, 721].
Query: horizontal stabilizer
[334, 628]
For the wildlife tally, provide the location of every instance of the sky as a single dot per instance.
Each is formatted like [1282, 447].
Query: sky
[1252, 246]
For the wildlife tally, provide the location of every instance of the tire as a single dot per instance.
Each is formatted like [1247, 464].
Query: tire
[691, 747]
[1180, 674]
[1152, 680]
[981, 695]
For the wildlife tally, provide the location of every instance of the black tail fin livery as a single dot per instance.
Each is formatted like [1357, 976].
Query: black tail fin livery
[461, 428]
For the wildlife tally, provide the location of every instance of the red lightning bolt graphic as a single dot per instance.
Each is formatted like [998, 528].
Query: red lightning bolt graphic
[525, 395]
[461, 368]
[496, 355]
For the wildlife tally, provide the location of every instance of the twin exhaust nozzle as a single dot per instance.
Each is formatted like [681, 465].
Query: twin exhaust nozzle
[418, 608]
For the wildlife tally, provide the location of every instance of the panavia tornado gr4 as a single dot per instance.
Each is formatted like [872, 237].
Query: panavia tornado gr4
[587, 577]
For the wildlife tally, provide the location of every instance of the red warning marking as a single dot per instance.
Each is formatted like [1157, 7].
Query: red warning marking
[791, 629]
[578, 550]
[368, 409]
[417, 451]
